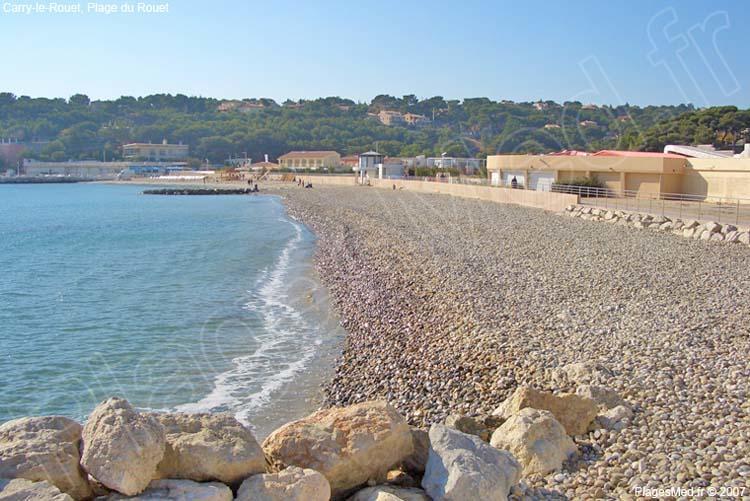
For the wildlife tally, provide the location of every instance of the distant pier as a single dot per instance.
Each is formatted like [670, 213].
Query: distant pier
[41, 180]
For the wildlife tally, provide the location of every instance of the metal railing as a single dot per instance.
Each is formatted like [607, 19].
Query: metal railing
[723, 210]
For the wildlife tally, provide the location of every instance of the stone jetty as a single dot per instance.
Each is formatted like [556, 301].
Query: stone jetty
[451, 305]
[200, 191]
[365, 451]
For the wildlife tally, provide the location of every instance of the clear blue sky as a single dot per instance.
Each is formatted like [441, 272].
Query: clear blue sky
[642, 52]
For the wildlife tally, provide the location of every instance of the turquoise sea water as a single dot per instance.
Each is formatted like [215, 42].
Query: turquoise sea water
[187, 303]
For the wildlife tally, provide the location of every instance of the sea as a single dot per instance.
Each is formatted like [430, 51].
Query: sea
[177, 303]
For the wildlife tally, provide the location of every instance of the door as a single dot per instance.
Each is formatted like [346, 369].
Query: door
[508, 178]
[541, 181]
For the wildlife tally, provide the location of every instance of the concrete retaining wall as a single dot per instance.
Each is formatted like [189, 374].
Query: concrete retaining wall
[538, 199]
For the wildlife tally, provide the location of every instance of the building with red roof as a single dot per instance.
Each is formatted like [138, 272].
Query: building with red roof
[629, 172]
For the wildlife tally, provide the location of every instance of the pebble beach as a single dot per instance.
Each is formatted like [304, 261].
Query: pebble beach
[451, 304]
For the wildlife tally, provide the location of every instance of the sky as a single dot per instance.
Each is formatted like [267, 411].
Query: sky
[603, 52]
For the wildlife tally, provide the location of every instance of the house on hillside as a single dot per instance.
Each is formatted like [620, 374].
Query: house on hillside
[240, 106]
[388, 117]
[416, 119]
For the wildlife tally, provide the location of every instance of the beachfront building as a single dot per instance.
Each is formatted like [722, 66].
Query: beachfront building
[374, 165]
[627, 172]
[93, 170]
[704, 151]
[163, 152]
[313, 160]
[350, 161]
[467, 166]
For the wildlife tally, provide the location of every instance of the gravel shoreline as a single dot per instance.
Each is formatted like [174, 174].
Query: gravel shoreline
[450, 304]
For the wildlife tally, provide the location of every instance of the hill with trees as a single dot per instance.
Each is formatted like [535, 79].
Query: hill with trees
[721, 126]
[79, 128]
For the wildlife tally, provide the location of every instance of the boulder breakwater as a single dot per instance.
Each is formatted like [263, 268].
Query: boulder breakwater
[688, 228]
[363, 452]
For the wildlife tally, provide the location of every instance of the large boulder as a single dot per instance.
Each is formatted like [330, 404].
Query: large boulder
[462, 467]
[291, 484]
[713, 227]
[122, 447]
[574, 412]
[536, 439]
[180, 490]
[44, 448]
[390, 493]
[349, 445]
[604, 397]
[204, 447]
[20, 489]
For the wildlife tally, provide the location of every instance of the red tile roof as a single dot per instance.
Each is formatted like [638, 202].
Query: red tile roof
[635, 154]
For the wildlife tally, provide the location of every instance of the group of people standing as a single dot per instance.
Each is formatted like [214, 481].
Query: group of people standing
[301, 182]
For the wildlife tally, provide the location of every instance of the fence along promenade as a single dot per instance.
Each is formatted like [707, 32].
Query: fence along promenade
[722, 210]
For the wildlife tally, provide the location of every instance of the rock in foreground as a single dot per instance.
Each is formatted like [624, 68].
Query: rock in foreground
[349, 445]
[122, 447]
[574, 412]
[25, 490]
[536, 439]
[291, 484]
[204, 447]
[390, 493]
[462, 467]
[44, 448]
[180, 490]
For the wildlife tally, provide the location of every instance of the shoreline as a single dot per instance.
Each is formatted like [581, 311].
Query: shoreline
[289, 392]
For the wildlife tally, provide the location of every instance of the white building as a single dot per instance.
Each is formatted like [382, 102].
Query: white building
[465, 165]
[92, 169]
[373, 165]
[700, 151]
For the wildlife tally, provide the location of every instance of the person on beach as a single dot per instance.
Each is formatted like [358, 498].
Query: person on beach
[514, 183]
[255, 188]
